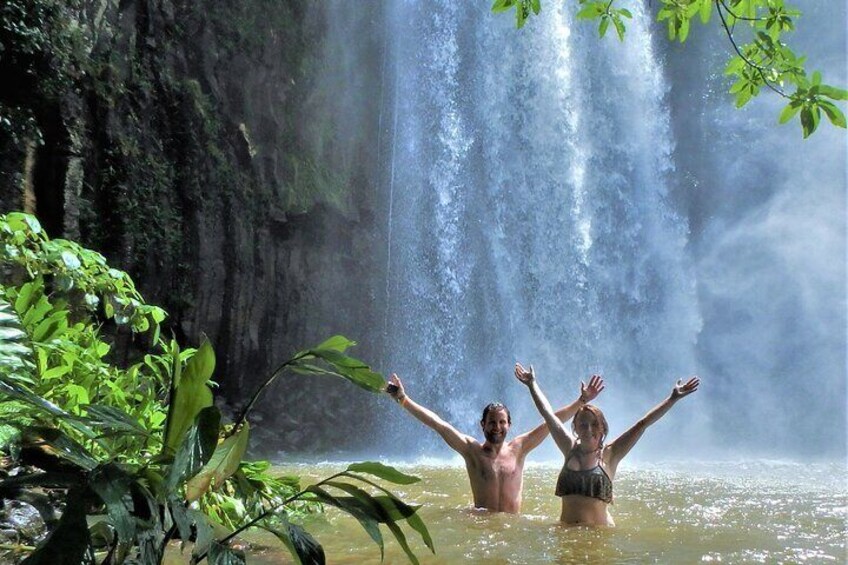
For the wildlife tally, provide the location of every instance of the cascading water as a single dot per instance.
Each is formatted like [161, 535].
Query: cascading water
[529, 212]
[534, 204]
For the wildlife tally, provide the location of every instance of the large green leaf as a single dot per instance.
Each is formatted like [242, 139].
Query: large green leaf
[15, 351]
[62, 445]
[833, 92]
[150, 531]
[337, 343]
[342, 366]
[398, 510]
[150, 549]
[357, 509]
[789, 111]
[382, 471]
[69, 543]
[224, 462]
[196, 449]
[331, 352]
[190, 521]
[205, 535]
[113, 486]
[502, 5]
[382, 510]
[181, 517]
[416, 523]
[385, 511]
[190, 394]
[833, 113]
[13, 389]
[220, 554]
[113, 419]
[299, 542]
[51, 327]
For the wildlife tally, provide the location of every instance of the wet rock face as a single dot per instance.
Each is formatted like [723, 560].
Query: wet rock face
[186, 142]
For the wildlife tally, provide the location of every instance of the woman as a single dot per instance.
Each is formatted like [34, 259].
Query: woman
[585, 482]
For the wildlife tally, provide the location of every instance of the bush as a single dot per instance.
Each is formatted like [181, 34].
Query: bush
[140, 452]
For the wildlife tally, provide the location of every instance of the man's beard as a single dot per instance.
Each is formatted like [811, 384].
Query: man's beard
[494, 437]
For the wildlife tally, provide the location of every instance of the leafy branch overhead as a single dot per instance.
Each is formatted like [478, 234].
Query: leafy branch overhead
[760, 57]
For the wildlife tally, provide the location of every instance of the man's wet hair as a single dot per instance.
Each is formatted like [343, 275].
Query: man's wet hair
[496, 406]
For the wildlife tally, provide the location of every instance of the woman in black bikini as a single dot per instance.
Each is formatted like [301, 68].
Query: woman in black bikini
[585, 482]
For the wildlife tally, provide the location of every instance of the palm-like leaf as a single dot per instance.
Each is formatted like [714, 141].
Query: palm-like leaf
[16, 353]
[15, 365]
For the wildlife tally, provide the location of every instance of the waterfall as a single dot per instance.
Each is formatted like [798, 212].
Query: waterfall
[529, 211]
[541, 198]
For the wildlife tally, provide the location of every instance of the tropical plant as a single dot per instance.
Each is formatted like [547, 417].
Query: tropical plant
[141, 452]
[765, 61]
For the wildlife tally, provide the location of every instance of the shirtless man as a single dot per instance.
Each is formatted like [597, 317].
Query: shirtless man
[496, 466]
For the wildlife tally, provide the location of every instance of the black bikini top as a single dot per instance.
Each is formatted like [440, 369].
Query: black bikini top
[594, 482]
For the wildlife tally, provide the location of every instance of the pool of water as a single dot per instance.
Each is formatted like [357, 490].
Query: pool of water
[677, 512]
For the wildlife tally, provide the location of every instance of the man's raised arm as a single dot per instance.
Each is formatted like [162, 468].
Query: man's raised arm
[531, 440]
[456, 440]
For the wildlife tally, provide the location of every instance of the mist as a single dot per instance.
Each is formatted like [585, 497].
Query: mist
[545, 196]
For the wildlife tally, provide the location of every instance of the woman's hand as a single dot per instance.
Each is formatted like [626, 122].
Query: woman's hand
[589, 392]
[523, 375]
[395, 388]
[680, 390]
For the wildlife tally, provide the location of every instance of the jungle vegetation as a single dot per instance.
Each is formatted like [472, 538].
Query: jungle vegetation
[119, 421]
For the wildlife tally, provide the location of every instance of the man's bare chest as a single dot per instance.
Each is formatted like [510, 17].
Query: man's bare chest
[500, 469]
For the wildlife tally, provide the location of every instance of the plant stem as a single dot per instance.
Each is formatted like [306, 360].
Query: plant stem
[16, 547]
[266, 514]
[243, 415]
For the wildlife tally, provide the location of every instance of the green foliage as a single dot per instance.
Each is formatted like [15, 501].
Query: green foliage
[335, 362]
[140, 469]
[248, 492]
[80, 275]
[766, 61]
[605, 14]
[809, 101]
[190, 393]
[523, 8]
[40, 49]
[222, 465]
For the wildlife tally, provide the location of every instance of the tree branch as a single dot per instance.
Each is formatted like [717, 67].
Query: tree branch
[758, 68]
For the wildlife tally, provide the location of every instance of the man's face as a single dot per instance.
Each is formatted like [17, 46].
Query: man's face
[496, 425]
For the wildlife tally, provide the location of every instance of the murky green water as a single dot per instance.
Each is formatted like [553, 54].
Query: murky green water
[752, 512]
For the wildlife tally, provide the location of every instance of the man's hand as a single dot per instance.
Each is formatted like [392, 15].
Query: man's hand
[589, 392]
[680, 390]
[523, 375]
[395, 388]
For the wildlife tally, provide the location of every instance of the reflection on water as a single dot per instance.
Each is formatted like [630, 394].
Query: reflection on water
[681, 512]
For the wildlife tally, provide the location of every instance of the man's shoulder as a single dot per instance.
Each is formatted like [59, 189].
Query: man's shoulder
[475, 445]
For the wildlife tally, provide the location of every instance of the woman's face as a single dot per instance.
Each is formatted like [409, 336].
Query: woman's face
[589, 430]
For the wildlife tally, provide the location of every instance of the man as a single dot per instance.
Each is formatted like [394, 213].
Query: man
[496, 466]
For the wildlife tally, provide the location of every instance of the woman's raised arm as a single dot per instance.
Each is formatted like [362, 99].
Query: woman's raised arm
[563, 439]
[622, 445]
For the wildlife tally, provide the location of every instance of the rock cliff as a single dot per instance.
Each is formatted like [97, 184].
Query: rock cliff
[180, 139]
